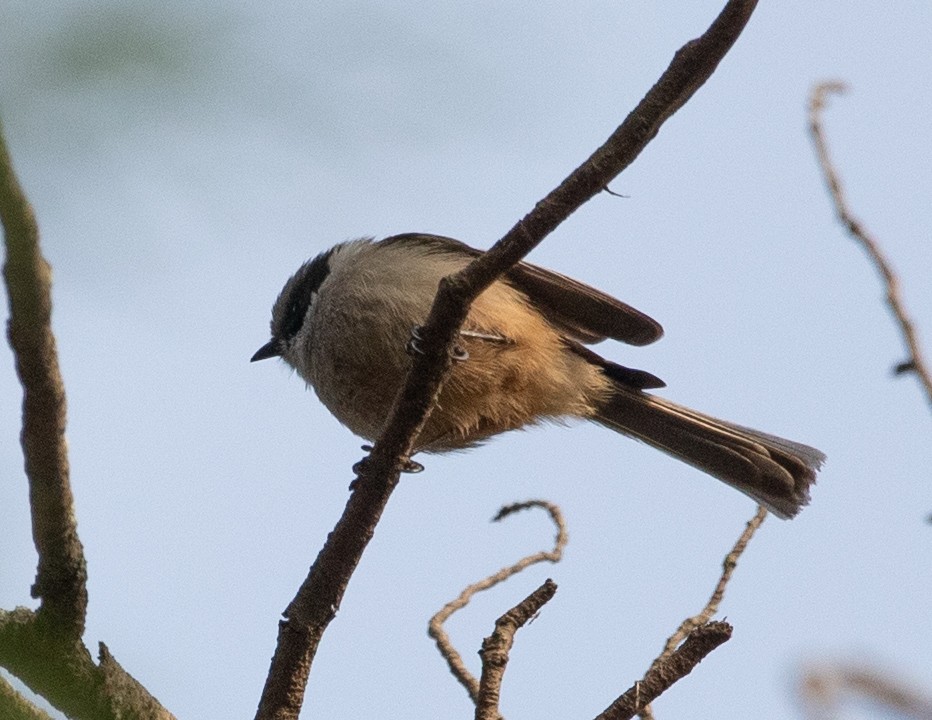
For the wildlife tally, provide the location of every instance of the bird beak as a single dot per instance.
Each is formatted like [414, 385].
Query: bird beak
[271, 349]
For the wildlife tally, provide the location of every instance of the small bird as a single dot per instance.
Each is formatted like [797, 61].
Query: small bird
[344, 322]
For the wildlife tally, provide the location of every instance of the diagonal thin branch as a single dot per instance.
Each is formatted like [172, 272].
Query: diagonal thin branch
[658, 679]
[435, 627]
[61, 578]
[711, 607]
[319, 596]
[915, 362]
[691, 66]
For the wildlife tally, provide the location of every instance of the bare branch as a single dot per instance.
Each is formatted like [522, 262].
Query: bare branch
[64, 673]
[435, 626]
[728, 567]
[692, 65]
[126, 697]
[659, 678]
[915, 363]
[496, 647]
[44, 648]
[61, 579]
[320, 595]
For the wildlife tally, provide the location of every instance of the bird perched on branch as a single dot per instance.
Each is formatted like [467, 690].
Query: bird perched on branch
[344, 321]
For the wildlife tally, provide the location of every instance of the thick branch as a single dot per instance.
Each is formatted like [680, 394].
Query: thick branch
[62, 576]
[915, 362]
[65, 674]
[44, 648]
[321, 593]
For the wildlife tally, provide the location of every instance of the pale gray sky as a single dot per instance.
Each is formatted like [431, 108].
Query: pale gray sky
[184, 159]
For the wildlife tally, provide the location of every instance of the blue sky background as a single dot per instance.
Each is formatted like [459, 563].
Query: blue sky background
[185, 158]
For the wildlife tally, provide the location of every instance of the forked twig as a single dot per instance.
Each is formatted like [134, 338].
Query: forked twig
[711, 607]
[496, 647]
[660, 677]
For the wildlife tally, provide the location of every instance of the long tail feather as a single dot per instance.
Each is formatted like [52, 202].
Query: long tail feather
[773, 471]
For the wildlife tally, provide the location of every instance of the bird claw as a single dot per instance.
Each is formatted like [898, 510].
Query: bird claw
[412, 467]
[407, 465]
[413, 346]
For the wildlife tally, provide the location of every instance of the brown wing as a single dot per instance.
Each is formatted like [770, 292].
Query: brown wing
[580, 311]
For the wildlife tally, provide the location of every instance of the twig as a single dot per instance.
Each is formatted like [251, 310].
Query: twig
[319, 597]
[659, 678]
[711, 607]
[496, 647]
[435, 626]
[915, 363]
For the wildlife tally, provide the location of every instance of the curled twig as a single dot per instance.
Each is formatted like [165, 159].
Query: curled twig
[915, 363]
[435, 626]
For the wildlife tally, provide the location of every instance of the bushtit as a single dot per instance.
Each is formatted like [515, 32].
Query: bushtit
[344, 321]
